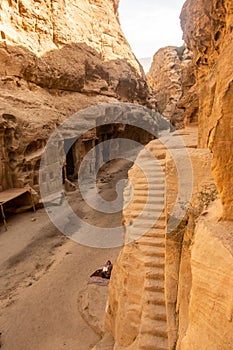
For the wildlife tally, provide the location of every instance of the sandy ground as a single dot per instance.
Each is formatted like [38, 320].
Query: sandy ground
[43, 273]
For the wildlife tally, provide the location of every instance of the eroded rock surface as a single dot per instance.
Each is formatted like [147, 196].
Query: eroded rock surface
[207, 27]
[172, 78]
[211, 303]
[57, 57]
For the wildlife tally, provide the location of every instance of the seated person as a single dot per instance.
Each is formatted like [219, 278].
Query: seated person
[107, 269]
[105, 272]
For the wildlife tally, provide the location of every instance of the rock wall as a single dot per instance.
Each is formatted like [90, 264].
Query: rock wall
[42, 26]
[211, 302]
[207, 27]
[57, 57]
[180, 241]
[172, 78]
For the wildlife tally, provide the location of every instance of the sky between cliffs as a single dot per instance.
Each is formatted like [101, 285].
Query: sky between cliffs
[151, 24]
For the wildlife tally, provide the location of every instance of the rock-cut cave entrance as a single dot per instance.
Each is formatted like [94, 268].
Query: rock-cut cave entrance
[76, 149]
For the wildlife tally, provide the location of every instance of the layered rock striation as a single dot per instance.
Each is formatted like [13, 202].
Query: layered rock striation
[57, 57]
[207, 27]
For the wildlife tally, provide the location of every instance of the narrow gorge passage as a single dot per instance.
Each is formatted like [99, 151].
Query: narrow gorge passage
[74, 78]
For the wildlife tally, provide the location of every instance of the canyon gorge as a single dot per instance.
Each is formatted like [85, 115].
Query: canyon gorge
[66, 69]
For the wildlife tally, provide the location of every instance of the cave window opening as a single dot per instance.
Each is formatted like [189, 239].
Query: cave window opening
[70, 163]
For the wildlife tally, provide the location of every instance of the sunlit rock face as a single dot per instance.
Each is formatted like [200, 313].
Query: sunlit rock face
[76, 46]
[172, 77]
[57, 57]
[207, 27]
[42, 26]
[211, 304]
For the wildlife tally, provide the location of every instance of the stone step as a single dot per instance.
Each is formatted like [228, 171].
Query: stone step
[155, 312]
[152, 250]
[157, 172]
[147, 196]
[137, 234]
[151, 173]
[146, 155]
[149, 224]
[156, 275]
[150, 170]
[155, 196]
[151, 342]
[154, 297]
[154, 189]
[154, 254]
[157, 202]
[159, 242]
[155, 286]
[153, 232]
[149, 187]
[153, 265]
[154, 327]
[148, 207]
[159, 237]
[146, 215]
[154, 210]
[152, 262]
[151, 235]
[153, 184]
[155, 270]
[135, 237]
[158, 333]
[142, 201]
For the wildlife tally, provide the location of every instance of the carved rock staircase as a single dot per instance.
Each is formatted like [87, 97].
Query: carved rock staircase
[148, 229]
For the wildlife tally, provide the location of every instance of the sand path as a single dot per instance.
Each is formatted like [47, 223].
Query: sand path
[42, 273]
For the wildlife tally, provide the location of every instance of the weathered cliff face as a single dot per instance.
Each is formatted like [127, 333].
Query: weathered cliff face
[207, 27]
[42, 26]
[172, 78]
[179, 242]
[211, 301]
[75, 46]
[57, 57]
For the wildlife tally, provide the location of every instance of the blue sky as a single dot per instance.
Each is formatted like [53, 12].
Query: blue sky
[151, 24]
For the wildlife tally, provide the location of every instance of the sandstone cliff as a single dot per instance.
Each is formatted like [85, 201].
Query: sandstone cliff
[197, 271]
[207, 27]
[57, 57]
[210, 312]
[172, 78]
